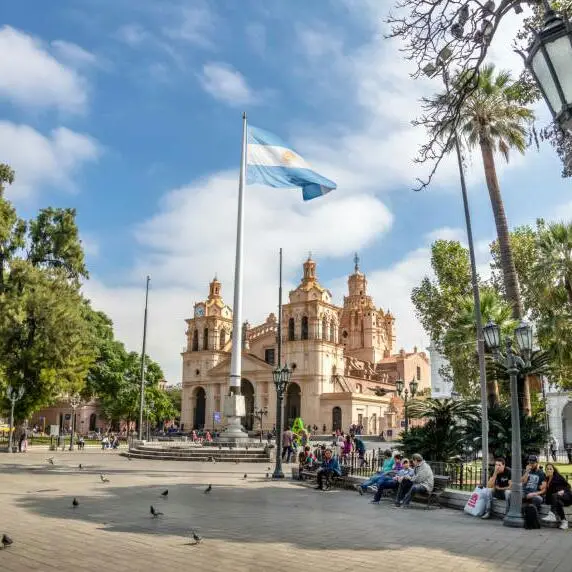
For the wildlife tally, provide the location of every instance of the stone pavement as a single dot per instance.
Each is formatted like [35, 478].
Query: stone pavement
[252, 524]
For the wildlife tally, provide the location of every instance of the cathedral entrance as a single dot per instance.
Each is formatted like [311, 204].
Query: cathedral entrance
[293, 404]
[200, 408]
[336, 418]
[247, 390]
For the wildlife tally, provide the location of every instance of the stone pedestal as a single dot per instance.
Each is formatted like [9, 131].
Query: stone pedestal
[234, 409]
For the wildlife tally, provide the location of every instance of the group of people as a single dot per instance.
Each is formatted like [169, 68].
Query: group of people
[538, 487]
[400, 474]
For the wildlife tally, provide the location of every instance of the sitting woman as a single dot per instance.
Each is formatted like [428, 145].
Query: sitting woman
[558, 495]
[393, 482]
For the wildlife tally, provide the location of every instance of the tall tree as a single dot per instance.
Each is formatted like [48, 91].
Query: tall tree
[493, 119]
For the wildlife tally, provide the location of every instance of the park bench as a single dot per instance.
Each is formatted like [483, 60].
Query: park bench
[341, 481]
[433, 498]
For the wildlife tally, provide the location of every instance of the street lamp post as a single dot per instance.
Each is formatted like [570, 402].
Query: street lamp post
[549, 60]
[513, 364]
[13, 395]
[150, 408]
[399, 385]
[75, 400]
[281, 379]
[259, 414]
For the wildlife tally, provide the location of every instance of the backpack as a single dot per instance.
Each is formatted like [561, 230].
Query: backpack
[531, 520]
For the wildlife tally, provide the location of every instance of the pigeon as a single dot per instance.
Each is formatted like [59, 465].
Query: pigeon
[103, 478]
[75, 502]
[6, 541]
[50, 460]
[154, 512]
[165, 493]
[196, 537]
[80, 467]
[245, 476]
[208, 489]
[213, 459]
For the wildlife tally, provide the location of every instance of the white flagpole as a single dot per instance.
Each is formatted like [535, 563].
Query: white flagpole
[234, 404]
[235, 363]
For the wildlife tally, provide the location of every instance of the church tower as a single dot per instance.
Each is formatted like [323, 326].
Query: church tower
[366, 332]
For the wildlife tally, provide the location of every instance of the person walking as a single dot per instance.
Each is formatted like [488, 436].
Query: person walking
[287, 441]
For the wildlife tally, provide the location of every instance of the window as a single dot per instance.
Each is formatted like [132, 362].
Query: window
[291, 330]
[305, 328]
[418, 373]
[206, 339]
[359, 388]
[195, 346]
[324, 329]
[269, 355]
[222, 339]
[332, 332]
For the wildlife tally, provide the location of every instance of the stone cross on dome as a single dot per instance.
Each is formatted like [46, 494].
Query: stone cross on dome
[356, 262]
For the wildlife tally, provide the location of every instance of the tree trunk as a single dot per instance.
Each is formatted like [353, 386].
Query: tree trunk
[510, 278]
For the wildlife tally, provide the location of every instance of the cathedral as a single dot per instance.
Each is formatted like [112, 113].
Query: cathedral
[343, 362]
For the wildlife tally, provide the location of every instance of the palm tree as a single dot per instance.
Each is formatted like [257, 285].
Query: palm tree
[443, 412]
[493, 119]
[554, 264]
[462, 333]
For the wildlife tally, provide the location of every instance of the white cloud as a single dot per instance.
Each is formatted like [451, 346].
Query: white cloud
[41, 160]
[192, 237]
[226, 84]
[446, 233]
[132, 34]
[32, 77]
[193, 24]
[73, 54]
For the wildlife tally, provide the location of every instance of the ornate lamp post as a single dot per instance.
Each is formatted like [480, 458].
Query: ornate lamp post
[399, 385]
[13, 395]
[513, 363]
[258, 415]
[75, 401]
[281, 379]
[549, 60]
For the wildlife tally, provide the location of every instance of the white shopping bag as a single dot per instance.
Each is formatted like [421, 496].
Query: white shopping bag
[477, 503]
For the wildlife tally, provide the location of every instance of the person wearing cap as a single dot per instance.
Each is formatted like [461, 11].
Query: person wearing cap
[533, 483]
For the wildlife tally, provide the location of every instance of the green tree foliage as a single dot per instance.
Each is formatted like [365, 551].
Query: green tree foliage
[44, 341]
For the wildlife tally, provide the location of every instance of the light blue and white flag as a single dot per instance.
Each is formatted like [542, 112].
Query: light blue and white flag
[272, 162]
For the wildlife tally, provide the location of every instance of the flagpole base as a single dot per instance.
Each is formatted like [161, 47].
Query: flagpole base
[234, 410]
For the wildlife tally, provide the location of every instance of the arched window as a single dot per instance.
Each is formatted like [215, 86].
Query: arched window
[195, 346]
[305, 328]
[222, 342]
[206, 339]
[291, 330]
[359, 388]
[324, 329]
[332, 332]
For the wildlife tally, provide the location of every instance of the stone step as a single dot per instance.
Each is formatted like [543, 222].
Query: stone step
[160, 456]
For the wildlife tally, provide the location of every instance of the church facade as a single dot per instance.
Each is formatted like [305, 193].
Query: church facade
[343, 362]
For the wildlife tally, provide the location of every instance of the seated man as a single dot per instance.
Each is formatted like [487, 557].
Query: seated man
[533, 484]
[393, 482]
[386, 467]
[329, 468]
[422, 481]
[498, 486]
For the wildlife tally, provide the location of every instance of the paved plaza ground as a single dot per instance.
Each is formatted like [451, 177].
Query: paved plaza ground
[248, 524]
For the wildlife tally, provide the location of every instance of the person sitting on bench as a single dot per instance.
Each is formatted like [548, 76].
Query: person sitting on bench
[421, 482]
[393, 482]
[387, 467]
[498, 486]
[329, 468]
[533, 484]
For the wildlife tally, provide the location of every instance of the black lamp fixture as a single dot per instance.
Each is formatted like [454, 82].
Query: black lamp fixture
[281, 377]
[549, 60]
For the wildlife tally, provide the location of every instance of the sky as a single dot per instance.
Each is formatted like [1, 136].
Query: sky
[130, 112]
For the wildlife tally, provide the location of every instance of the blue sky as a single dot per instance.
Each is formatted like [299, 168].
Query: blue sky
[131, 113]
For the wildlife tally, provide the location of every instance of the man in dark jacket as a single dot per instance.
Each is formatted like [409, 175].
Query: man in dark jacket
[329, 468]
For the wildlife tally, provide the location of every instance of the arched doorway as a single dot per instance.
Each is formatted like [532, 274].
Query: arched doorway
[247, 390]
[293, 404]
[566, 424]
[200, 408]
[336, 418]
[92, 421]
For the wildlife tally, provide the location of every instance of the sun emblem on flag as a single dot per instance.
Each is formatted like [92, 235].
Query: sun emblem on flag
[288, 157]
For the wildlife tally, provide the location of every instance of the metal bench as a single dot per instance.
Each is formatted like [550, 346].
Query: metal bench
[433, 498]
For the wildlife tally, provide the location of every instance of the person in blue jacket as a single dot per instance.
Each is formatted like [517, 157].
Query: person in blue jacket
[330, 467]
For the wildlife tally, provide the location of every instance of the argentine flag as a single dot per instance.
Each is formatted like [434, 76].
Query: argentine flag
[271, 162]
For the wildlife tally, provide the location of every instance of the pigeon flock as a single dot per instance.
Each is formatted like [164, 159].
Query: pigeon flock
[195, 538]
